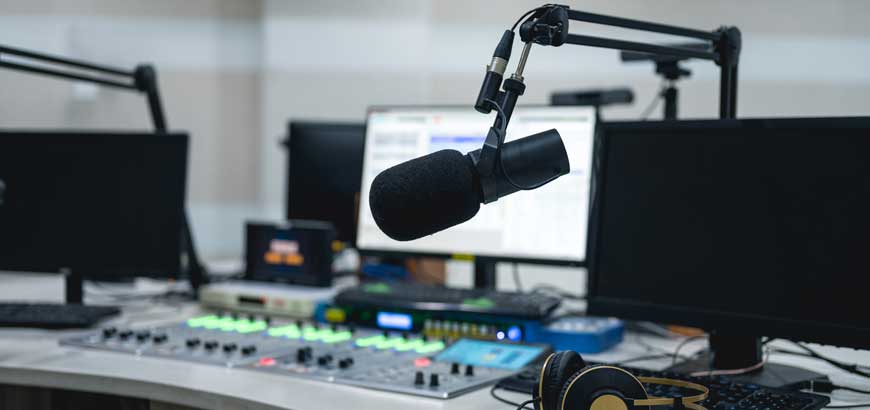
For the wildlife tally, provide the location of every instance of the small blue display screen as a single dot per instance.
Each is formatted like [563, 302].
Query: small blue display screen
[398, 321]
[490, 354]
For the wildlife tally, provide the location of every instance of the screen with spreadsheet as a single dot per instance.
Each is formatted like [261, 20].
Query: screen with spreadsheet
[546, 224]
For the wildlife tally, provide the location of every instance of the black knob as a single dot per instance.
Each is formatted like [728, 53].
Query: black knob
[210, 345]
[252, 317]
[299, 323]
[454, 368]
[386, 333]
[324, 360]
[351, 329]
[143, 335]
[234, 315]
[109, 332]
[267, 319]
[125, 334]
[433, 380]
[230, 347]
[249, 350]
[192, 342]
[334, 327]
[301, 355]
[418, 379]
[349, 360]
[345, 363]
[469, 370]
[405, 335]
[424, 338]
[160, 338]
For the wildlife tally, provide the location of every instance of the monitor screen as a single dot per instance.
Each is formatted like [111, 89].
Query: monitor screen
[103, 204]
[323, 173]
[756, 227]
[547, 224]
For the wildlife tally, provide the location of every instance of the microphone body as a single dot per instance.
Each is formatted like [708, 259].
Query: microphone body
[445, 188]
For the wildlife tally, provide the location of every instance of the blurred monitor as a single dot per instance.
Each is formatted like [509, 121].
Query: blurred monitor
[547, 225]
[747, 228]
[102, 204]
[324, 172]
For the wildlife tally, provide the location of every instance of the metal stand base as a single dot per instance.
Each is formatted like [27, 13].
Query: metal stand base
[771, 375]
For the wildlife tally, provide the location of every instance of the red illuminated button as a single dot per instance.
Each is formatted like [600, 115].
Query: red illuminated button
[422, 362]
[266, 361]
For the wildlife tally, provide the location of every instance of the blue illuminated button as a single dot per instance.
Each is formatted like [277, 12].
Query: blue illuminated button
[514, 333]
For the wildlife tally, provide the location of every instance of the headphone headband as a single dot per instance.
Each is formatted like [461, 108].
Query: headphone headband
[661, 401]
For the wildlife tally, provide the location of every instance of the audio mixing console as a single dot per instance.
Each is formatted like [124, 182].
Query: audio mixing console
[405, 363]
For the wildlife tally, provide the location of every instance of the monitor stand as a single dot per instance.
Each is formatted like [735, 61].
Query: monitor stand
[484, 273]
[738, 352]
[73, 287]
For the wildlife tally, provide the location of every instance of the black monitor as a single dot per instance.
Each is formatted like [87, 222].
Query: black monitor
[746, 228]
[324, 171]
[100, 204]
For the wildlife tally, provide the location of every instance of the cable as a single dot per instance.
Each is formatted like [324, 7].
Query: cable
[558, 292]
[849, 406]
[507, 177]
[851, 389]
[732, 372]
[654, 103]
[682, 344]
[643, 358]
[853, 368]
[523, 405]
[508, 402]
[517, 282]
[526, 14]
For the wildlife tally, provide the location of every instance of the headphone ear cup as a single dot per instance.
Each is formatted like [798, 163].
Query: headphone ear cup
[557, 370]
[584, 387]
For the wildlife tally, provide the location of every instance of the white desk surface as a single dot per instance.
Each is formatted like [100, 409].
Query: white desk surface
[34, 358]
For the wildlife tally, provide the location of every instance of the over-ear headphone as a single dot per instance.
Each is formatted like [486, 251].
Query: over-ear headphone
[567, 383]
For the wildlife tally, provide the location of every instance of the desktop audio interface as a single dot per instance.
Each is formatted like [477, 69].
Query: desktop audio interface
[398, 362]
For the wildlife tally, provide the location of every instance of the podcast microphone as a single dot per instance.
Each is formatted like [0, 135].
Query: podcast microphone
[445, 188]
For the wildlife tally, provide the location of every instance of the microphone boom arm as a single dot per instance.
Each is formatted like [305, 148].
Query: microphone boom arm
[548, 26]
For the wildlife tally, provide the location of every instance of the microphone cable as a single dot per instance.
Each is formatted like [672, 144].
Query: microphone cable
[503, 118]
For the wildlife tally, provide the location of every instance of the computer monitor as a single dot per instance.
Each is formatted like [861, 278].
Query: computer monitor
[547, 225]
[100, 204]
[746, 228]
[324, 172]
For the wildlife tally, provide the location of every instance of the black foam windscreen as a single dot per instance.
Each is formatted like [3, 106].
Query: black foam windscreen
[425, 195]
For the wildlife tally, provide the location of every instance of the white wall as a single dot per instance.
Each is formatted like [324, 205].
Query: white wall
[234, 72]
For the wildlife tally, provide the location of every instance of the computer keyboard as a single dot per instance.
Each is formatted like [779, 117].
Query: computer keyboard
[53, 316]
[725, 393]
[427, 297]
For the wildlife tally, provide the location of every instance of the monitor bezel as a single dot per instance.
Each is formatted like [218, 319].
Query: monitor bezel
[709, 319]
[379, 252]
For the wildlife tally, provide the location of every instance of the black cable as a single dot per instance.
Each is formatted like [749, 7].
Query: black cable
[507, 177]
[508, 402]
[851, 368]
[522, 406]
[849, 406]
[851, 389]
[517, 282]
[526, 14]
[644, 115]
